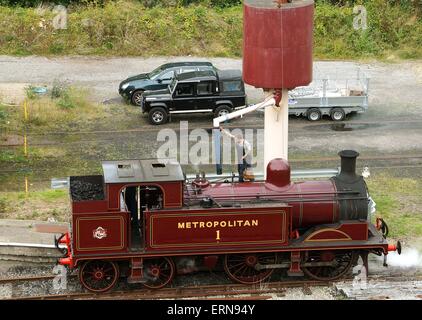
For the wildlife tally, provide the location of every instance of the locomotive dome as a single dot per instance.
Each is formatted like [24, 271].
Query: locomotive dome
[278, 172]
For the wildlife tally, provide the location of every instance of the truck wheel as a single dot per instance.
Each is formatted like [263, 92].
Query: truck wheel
[157, 116]
[222, 110]
[137, 97]
[338, 114]
[314, 114]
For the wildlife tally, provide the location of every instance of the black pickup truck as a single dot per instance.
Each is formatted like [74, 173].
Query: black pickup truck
[217, 92]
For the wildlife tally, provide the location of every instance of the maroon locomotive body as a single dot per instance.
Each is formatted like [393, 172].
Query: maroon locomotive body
[143, 220]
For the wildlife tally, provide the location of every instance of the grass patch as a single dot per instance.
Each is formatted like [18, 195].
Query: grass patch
[38, 205]
[12, 155]
[399, 202]
[126, 27]
[67, 108]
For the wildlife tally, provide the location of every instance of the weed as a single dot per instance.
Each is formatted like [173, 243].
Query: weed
[3, 114]
[58, 89]
[66, 102]
[30, 93]
[15, 156]
[3, 205]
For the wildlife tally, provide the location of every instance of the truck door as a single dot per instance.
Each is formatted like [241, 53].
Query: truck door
[183, 97]
[205, 92]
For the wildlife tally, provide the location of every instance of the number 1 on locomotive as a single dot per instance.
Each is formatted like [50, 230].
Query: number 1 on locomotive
[218, 235]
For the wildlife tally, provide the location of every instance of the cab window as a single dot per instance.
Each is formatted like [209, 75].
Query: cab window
[184, 90]
[205, 68]
[204, 88]
[229, 86]
[188, 69]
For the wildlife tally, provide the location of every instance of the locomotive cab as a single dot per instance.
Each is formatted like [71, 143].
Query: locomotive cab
[108, 211]
[142, 185]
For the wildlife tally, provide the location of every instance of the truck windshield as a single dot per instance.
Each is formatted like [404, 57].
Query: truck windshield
[172, 85]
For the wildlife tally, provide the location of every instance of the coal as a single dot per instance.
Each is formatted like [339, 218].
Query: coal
[85, 190]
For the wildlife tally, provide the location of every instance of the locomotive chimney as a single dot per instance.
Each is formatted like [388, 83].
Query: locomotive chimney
[348, 165]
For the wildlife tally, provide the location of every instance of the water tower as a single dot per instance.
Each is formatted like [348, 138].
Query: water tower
[277, 57]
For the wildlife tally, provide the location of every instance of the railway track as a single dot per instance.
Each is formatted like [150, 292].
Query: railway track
[175, 126]
[25, 279]
[297, 127]
[267, 290]
[225, 291]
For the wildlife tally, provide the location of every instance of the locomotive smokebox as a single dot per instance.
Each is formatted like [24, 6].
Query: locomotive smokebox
[277, 43]
[351, 188]
[348, 165]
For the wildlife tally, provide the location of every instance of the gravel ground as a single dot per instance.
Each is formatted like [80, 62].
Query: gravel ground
[395, 94]
[394, 87]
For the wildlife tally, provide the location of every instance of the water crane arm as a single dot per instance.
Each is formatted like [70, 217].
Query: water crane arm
[268, 102]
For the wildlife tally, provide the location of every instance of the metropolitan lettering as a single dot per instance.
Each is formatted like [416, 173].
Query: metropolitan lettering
[217, 224]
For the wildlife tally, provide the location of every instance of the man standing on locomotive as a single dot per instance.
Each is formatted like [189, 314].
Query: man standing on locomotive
[244, 153]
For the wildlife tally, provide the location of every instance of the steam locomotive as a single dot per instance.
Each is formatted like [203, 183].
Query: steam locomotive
[144, 221]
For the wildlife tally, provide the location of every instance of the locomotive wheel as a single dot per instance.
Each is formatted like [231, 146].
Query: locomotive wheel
[99, 275]
[242, 267]
[159, 272]
[342, 262]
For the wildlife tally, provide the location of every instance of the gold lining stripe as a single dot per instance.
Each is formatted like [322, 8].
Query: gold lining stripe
[308, 239]
[122, 242]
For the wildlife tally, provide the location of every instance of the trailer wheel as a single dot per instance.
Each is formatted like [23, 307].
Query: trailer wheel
[314, 114]
[338, 114]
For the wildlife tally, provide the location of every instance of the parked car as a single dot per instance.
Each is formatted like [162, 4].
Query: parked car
[132, 88]
[201, 91]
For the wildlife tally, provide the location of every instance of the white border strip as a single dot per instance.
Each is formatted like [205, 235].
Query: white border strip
[30, 245]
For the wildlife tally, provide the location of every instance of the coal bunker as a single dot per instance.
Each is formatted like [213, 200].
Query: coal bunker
[84, 188]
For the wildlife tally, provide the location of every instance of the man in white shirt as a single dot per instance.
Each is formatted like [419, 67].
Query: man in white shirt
[243, 150]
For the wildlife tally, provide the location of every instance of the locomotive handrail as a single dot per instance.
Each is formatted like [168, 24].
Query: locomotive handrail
[278, 198]
[61, 183]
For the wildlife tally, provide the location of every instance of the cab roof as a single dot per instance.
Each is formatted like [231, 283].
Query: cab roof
[197, 76]
[186, 63]
[210, 75]
[146, 170]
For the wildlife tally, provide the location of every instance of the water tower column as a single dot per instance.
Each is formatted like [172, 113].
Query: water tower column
[276, 131]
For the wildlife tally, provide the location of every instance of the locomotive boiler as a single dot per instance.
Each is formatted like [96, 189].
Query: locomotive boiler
[143, 221]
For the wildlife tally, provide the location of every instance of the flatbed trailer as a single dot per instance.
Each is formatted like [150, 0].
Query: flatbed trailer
[334, 98]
